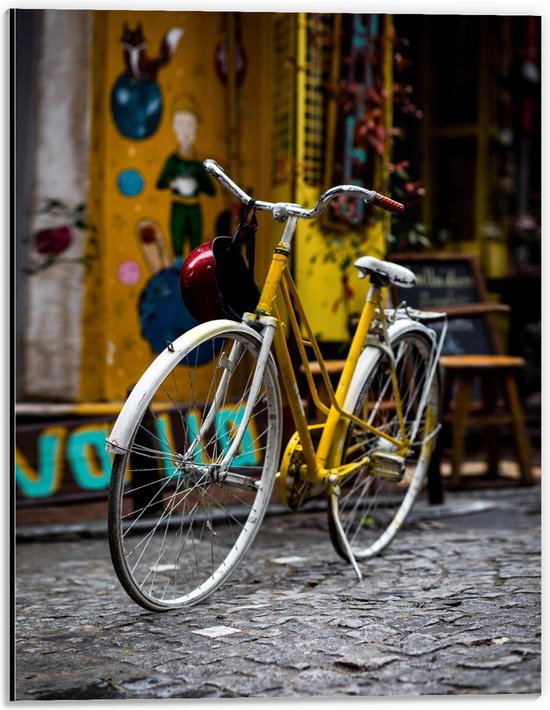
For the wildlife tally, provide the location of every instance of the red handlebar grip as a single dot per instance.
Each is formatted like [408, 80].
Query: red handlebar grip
[388, 204]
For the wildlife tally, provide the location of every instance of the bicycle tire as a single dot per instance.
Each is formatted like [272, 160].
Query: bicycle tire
[371, 510]
[175, 532]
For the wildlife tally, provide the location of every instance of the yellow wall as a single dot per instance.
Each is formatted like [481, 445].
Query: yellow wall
[320, 284]
[114, 351]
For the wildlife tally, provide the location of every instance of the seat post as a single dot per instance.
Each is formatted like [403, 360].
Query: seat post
[334, 417]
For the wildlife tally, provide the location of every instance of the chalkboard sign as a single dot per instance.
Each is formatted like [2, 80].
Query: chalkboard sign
[452, 281]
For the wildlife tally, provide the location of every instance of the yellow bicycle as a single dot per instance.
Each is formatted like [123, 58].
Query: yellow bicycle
[197, 445]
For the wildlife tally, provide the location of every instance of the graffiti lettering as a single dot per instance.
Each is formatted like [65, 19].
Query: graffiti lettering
[91, 464]
[37, 484]
[77, 456]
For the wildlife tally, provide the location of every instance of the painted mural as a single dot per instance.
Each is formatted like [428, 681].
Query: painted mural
[161, 101]
[137, 108]
[163, 316]
[165, 115]
[184, 175]
[136, 97]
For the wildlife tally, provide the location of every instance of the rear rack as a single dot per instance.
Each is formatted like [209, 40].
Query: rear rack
[404, 311]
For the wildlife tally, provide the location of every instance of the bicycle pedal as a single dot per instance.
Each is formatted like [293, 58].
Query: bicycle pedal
[389, 467]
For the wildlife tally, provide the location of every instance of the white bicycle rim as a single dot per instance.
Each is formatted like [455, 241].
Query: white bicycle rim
[372, 510]
[198, 528]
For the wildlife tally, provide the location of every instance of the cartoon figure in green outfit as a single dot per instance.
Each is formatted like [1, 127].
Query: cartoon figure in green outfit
[185, 176]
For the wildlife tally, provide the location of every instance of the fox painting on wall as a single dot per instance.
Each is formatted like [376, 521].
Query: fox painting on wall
[136, 98]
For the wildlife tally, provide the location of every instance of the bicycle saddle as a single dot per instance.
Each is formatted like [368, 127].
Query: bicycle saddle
[383, 273]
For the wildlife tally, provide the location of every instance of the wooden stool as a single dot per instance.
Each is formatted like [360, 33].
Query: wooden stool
[495, 377]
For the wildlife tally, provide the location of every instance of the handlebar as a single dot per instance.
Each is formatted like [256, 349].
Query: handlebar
[282, 210]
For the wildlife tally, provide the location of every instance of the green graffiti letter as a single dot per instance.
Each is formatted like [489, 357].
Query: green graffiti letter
[47, 480]
[227, 423]
[194, 422]
[166, 441]
[90, 463]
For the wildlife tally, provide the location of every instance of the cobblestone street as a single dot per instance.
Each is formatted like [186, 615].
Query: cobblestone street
[451, 608]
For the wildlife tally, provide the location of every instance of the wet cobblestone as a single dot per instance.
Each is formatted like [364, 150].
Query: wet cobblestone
[451, 608]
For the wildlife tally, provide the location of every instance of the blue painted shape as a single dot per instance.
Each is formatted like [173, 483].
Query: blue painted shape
[130, 182]
[136, 106]
[164, 317]
[165, 439]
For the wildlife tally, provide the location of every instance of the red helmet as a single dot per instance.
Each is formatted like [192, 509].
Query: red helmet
[215, 282]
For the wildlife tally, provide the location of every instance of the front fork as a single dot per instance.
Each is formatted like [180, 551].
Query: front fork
[269, 330]
[229, 363]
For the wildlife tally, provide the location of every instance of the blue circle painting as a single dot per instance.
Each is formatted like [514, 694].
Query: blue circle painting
[130, 182]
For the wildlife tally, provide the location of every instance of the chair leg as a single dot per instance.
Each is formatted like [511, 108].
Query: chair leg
[463, 399]
[521, 436]
[436, 491]
[490, 395]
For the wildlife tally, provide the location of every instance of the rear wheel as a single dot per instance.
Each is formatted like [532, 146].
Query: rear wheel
[178, 523]
[375, 499]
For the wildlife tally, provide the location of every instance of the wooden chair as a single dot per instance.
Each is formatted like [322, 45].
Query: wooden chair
[480, 381]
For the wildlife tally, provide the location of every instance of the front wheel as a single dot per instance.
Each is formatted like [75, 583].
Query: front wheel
[179, 523]
[375, 499]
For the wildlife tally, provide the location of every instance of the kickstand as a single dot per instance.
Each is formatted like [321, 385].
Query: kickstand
[342, 535]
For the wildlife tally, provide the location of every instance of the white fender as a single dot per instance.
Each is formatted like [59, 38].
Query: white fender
[371, 353]
[139, 398]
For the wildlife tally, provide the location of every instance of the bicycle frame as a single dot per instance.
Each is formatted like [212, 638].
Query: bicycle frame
[323, 463]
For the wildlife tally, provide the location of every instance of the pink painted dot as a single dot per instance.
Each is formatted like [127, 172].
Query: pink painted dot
[129, 272]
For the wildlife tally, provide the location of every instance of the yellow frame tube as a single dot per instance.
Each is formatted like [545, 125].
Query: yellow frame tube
[333, 433]
[292, 301]
[277, 267]
[337, 420]
[294, 401]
